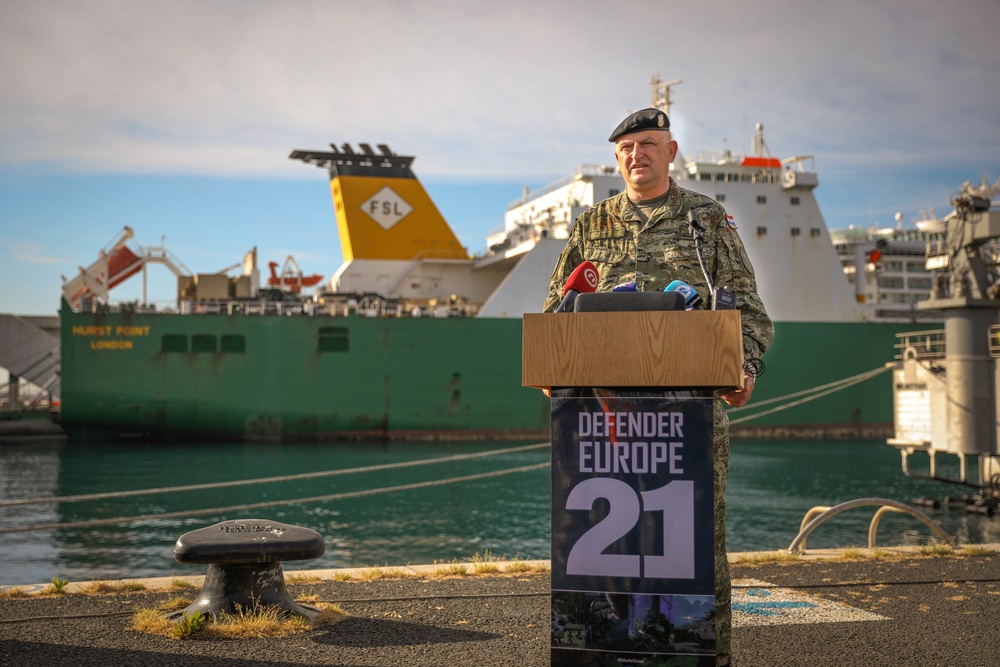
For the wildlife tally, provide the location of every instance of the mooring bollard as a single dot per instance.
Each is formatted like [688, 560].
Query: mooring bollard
[244, 565]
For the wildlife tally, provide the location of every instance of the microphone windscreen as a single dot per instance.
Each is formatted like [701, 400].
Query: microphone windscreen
[691, 297]
[584, 278]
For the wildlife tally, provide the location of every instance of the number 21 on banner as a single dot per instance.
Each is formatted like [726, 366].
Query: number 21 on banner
[675, 500]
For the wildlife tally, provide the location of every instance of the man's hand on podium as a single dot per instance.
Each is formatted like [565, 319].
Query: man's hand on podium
[739, 397]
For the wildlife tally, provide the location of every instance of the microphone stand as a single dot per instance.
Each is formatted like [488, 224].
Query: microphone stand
[698, 232]
[752, 366]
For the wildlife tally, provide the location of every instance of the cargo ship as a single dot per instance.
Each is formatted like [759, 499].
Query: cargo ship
[415, 338]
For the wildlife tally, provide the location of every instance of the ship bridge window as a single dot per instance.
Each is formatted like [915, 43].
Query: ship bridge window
[814, 231]
[761, 231]
[720, 197]
[761, 199]
[334, 339]
[204, 343]
[233, 343]
[174, 343]
[794, 201]
[890, 283]
[795, 231]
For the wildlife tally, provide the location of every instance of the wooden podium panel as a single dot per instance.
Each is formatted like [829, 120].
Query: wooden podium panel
[633, 349]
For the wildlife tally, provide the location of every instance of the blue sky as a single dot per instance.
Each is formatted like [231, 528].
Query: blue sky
[176, 118]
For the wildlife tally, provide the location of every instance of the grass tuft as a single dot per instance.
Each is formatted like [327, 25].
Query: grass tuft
[14, 593]
[108, 587]
[254, 622]
[151, 622]
[937, 550]
[760, 557]
[452, 569]
[977, 550]
[382, 573]
[485, 564]
[854, 553]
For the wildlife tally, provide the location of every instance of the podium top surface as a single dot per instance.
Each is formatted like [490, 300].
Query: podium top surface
[662, 349]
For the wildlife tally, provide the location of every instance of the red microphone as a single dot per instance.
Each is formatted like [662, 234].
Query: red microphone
[584, 278]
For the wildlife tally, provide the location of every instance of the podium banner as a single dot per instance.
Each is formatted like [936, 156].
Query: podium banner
[633, 551]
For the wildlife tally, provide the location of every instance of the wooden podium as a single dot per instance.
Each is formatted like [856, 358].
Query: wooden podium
[633, 553]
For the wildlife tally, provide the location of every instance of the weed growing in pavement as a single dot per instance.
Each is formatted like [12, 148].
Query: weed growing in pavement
[187, 626]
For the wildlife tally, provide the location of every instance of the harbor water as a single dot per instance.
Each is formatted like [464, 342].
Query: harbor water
[391, 507]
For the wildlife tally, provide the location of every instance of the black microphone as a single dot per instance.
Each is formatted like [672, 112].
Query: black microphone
[692, 299]
[584, 278]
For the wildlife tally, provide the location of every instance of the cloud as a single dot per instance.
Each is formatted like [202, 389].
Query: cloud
[515, 89]
[30, 252]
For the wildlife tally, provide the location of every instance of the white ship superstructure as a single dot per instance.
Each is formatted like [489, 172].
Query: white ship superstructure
[771, 202]
[887, 268]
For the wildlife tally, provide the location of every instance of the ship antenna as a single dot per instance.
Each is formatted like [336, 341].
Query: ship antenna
[661, 93]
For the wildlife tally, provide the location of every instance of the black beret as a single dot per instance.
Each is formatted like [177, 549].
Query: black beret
[647, 119]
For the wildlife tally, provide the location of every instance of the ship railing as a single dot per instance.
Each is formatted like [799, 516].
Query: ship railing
[245, 307]
[926, 344]
[590, 170]
[363, 306]
[730, 173]
[98, 307]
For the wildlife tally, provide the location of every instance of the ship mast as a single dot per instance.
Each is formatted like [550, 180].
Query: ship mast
[661, 101]
[661, 93]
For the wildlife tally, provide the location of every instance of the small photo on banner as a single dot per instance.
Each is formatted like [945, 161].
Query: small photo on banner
[633, 627]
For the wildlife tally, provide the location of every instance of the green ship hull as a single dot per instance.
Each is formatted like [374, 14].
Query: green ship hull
[297, 376]
[271, 376]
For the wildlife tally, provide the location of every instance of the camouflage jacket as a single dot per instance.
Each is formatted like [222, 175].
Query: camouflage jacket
[612, 236]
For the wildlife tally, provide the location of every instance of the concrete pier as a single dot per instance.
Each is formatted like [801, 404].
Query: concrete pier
[821, 609]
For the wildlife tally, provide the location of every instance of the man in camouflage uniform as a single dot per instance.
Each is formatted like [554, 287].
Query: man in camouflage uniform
[643, 235]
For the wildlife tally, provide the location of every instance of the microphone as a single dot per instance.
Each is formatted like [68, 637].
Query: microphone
[692, 299]
[583, 279]
[625, 287]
